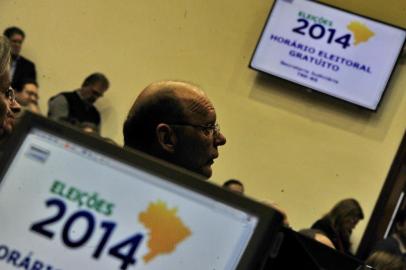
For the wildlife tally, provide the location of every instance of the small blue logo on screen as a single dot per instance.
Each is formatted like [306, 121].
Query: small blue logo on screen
[37, 153]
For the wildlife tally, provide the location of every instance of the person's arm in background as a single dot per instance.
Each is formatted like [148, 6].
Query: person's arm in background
[58, 108]
[31, 72]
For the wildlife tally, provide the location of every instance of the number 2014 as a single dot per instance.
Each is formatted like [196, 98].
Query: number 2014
[124, 250]
[318, 31]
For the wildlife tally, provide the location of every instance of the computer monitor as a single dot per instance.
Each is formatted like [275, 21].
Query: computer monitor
[72, 201]
[333, 51]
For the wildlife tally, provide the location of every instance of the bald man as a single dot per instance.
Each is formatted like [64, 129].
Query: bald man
[175, 121]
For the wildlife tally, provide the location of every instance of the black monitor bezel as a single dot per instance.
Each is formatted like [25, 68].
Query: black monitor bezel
[269, 219]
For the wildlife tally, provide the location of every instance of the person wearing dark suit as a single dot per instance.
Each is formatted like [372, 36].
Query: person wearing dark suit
[22, 69]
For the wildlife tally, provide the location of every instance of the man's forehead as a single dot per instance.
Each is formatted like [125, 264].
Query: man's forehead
[30, 86]
[192, 98]
[198, 104]
[195, 102]
[98, 86]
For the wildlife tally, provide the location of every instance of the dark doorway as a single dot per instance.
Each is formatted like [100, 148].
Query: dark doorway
[390, 201]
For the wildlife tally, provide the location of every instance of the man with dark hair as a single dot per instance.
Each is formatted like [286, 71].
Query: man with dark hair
[176, 122]
[235, 186]
[77, 106]
[28, 96]
[21, 68]
[396, 243]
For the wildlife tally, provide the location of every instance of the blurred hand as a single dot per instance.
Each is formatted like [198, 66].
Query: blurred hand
[280, 210]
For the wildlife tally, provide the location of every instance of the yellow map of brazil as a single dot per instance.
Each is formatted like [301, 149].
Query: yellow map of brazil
[166, 229]
[361, 32]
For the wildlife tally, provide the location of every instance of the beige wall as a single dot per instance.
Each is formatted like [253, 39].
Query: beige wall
[301, 150]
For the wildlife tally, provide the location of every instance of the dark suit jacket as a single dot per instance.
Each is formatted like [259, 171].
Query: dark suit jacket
[25, 69]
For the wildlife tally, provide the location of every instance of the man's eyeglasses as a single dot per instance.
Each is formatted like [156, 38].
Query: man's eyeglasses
[210, 129]
[10, 94]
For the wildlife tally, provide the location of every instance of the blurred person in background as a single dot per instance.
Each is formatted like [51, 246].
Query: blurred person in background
[21, 68]
[77, 107]
[385, 261]
[339, 223]
[27, 95]
[395, 243]
[9, 107]
[235, 186]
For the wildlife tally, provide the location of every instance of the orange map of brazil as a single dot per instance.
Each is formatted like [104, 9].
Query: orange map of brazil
[166, 229]
[361, 32]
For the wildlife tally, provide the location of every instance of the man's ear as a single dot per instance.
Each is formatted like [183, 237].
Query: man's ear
[166, 137]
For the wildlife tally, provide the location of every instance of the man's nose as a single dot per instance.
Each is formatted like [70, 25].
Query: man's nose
[220, 139]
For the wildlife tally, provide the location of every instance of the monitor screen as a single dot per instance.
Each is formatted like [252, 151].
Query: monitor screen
[332, 51]
[65, 206]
